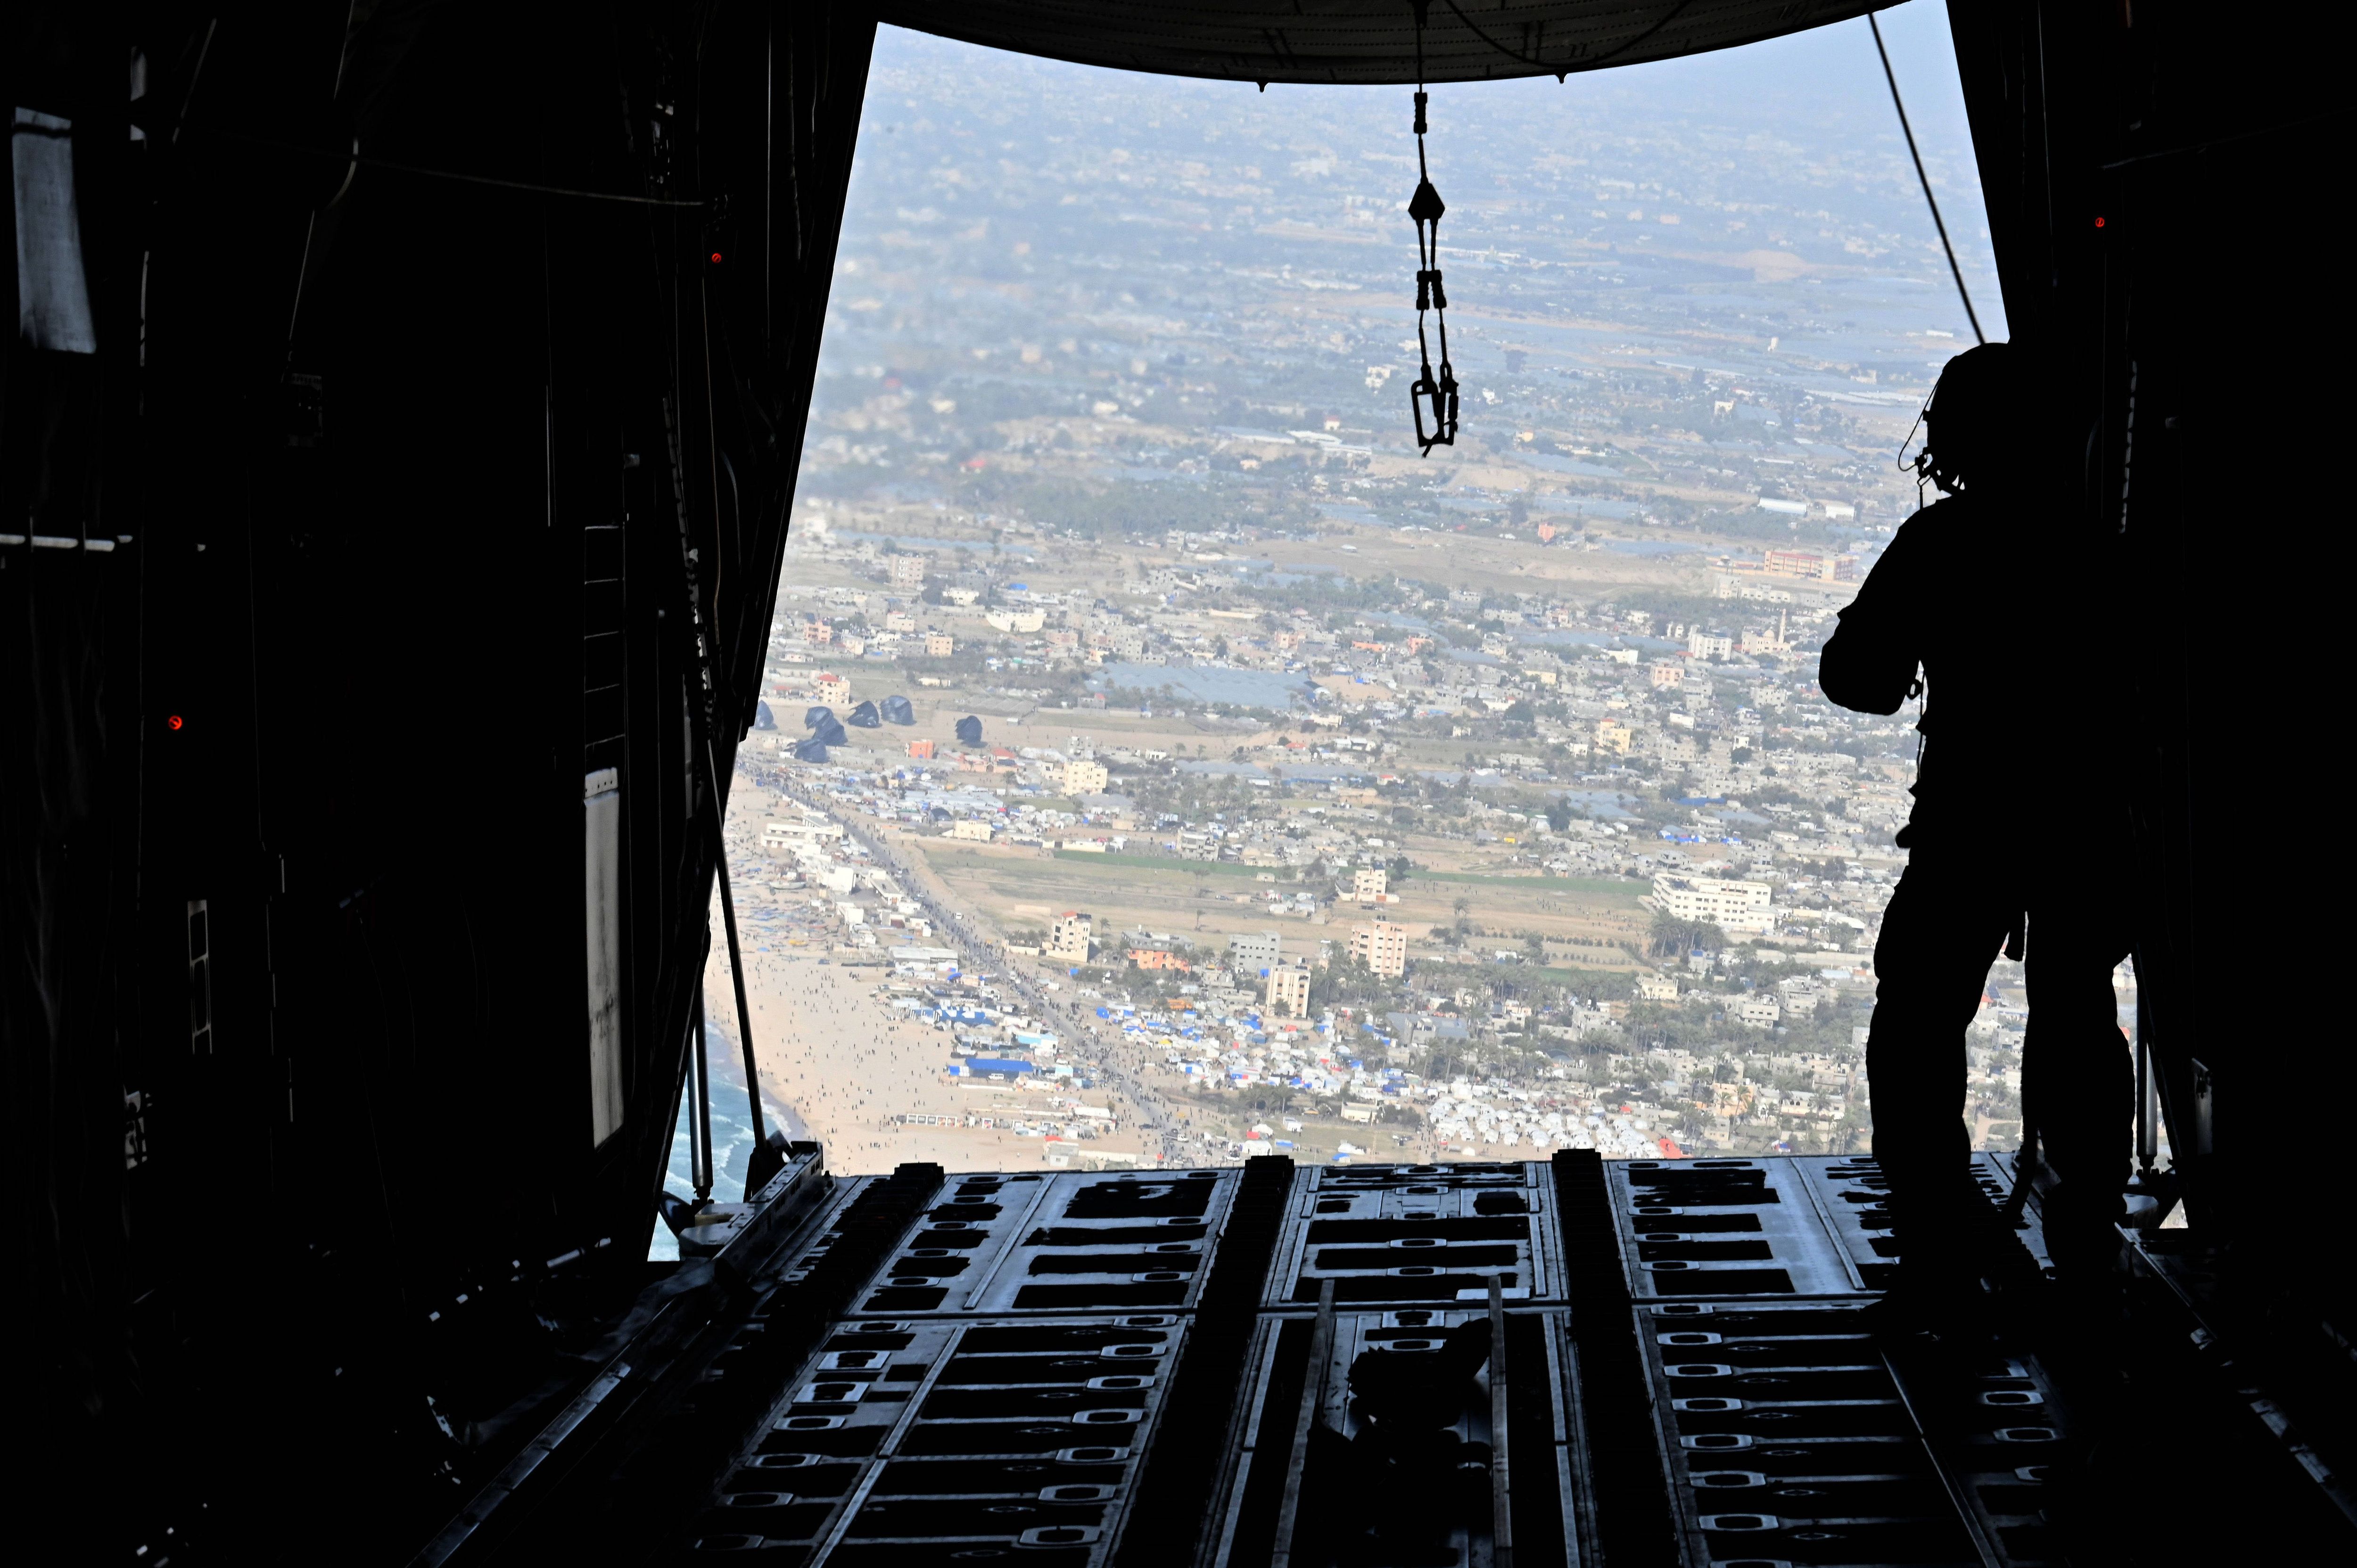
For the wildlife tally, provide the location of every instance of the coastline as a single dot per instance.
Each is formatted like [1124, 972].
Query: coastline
[845, 1065]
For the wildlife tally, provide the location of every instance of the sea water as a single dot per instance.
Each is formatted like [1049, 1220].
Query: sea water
[732, 1136]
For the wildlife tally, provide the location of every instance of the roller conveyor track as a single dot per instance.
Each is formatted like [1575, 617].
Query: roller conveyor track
[1515, 1365]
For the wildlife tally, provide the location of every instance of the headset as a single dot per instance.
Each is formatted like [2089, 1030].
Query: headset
[1929, 466]
[1920, 467]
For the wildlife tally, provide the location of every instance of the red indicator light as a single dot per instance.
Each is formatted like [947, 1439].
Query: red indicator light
[716, 255]
[173, 723]
[2099, 223]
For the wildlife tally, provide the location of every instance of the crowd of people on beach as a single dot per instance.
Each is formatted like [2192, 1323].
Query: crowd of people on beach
[844, 1086]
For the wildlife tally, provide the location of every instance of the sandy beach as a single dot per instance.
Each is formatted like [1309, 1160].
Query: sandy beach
[848, 1065]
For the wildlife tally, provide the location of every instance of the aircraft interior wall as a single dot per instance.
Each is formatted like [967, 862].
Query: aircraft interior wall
[433, 457]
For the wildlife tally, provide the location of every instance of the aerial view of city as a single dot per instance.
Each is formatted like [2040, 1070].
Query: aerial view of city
[1165, 762]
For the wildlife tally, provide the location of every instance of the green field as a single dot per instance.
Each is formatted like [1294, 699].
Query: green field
[1163, 863]
[1612, 888]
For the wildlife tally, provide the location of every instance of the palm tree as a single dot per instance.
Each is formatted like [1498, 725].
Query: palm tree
[1670, 937]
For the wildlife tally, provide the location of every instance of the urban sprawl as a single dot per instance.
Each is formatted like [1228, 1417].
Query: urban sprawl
[1221, 776]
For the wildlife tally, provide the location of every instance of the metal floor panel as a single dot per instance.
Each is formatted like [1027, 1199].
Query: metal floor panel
[1064, 1242]
[1311, 1455]
[1789, 1436]
[1423, 1234]
[919, 1442]
[994, 1387]
[1849, 1194]
[1725, 1228]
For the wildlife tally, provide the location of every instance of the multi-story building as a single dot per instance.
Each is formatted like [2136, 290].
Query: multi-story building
[1614, 736]
[1702, 644]
[1082, 777]
[907, 571]
[1068, 939]
[786, 835]
[1810, 564]
[939, 645]
[1289, 991]
[1252, 952]
[1796, 563]
[1381, 945]
[1668, 672]
[1723, 902]
[1157, 958]
[1368, 886]
[817, 634]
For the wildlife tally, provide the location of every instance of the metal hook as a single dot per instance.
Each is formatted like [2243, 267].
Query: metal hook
[1429, 392]
[1440, 393]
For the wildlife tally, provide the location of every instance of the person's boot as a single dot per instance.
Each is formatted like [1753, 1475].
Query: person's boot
[1939, 1224]
[1941, 1298]
[2080, 1222]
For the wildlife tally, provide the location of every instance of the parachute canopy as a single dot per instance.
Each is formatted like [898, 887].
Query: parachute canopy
[897, 711]
[863, 717]
[969, 731]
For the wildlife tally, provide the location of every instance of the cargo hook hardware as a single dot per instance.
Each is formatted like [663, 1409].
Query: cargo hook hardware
[1436, 393]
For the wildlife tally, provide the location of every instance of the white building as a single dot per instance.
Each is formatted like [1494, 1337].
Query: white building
[785, 836]
[1729, 904]
[1249, 954]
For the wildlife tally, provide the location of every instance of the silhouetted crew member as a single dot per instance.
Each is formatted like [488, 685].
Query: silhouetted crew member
[1987, 595]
